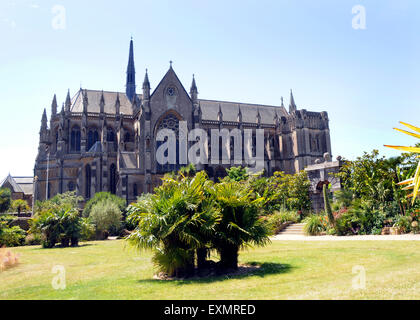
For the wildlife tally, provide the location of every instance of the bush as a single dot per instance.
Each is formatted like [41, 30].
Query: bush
[33, 239]
[106, 216]
[5, 199]
[87, 232]
[315, 225]
[278, 219]
[101, 196]
[402, 223]
[12, 237]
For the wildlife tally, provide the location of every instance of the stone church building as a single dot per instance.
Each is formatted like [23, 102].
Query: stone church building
[106, 141]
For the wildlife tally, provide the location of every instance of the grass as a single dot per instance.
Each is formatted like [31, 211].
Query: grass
[289, 270]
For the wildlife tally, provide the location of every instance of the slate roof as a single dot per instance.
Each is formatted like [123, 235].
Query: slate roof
[19, 184]
[128, 160]
[94, 98]
[209, 108]
[230, 110]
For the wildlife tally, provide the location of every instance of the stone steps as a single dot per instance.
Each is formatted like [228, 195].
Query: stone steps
[293, 229]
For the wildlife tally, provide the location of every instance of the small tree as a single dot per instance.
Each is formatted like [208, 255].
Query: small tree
[106, 216]
[20, 206]
[101, 196]
[240, 225]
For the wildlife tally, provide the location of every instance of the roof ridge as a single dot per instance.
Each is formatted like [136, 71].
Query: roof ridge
[241, 103]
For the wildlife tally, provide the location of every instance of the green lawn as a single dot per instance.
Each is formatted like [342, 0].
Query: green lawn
[290, 270]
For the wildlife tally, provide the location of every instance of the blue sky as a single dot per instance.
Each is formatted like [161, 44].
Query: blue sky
[247, 51]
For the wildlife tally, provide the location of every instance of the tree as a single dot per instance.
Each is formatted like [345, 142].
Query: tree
[175, 222]
[58, 219]
[106, 216]
[20, 205]
[100, 196]
[240, 225]
[5, 199]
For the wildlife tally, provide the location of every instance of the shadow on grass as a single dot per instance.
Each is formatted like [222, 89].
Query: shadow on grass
[259, 270]
[58, 247]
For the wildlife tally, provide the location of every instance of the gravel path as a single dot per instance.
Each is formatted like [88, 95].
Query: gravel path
[404, 237]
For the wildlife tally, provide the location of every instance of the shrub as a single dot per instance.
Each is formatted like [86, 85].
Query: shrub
[33, 239]
[278, 219]
[57, 225]
[8, 259]
[10, 236]
[101, 196]
[106, 216]
[402, 223]
[5, 199]
[87, 231]
[315, 225]
[361, 219]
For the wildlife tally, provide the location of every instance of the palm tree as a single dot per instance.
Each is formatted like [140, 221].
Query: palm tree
[240, 225]
[175, 222]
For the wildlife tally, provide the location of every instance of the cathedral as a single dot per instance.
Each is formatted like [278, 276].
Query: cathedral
[106, 141]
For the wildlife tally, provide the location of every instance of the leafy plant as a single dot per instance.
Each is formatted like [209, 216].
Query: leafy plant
[240, 225]
[237, 174]
[10, 236]
[315, 225]
[174, 222]
[58, 220]
[402, 223]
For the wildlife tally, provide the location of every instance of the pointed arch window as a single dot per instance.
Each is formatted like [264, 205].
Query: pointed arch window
[113, 179]
[93, 137]
[75, 139]
[170, 122]
[88, 177]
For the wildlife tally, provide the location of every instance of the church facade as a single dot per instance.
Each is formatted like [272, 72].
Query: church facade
[106, 141]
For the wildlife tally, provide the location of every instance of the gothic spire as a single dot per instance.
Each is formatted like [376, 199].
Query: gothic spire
[102, 103]
[193, 85]
[44, 119]
[193, 90]
[282, 102]
[220, 114]
[85, 101]
[239, 114]
[54, 106]
[68, 101]
[117, 104]
[292, 106]
[146, 83]
[131, 74]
